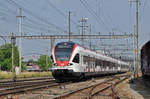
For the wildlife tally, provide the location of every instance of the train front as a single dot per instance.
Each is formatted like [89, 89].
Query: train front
[63, 65]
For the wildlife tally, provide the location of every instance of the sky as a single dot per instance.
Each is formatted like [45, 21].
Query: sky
[50, 17]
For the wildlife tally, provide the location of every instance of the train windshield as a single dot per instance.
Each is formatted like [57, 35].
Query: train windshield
[63, 51]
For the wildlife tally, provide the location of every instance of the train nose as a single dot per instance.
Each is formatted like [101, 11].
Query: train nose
[62, 63]
[69, 64]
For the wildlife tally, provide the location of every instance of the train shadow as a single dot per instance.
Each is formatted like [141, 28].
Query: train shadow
[92, 78]
[142, 86]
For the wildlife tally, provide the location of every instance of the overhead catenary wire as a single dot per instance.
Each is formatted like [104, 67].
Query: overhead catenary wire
[5, 11]
[94, 14]
[35, 22]
[59, 11]
[142, 11]
[36, 25]
[103, 15]
[106, 17]
[39, 28]
[37, 17]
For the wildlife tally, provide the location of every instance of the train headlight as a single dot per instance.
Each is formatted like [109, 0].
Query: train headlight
[55, 64]
[69, 64]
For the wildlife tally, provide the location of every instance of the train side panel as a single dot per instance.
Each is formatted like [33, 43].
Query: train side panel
[145, 59]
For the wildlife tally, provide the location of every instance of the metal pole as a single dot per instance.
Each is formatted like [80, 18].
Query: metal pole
[83, 20]
[52, 44]
[47, 57]
[82, 31]
[134, 45]
[20, 40]
[69, 25]
[90, 37]
[13, 45]
[137, 62]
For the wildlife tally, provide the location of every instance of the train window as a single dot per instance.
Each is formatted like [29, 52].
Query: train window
[104, 63]
[113, 65]
[108, 63]
[52, 58]
[63, 53]
[91, 62]
[97, 62]
[101, 62]
[85, 60]
[76, 58]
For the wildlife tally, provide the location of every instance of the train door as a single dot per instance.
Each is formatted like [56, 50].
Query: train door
[101, 64]
[93, 64]
[105, 63]
[148, 59]
[89, 63]
[81, 59]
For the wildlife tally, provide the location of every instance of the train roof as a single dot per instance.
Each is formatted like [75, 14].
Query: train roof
[66, 43]
[146, 44]
[95, 53]
[105, 57]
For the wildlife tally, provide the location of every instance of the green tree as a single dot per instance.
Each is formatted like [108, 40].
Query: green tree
[44, 63]
[32, 61]
[5, 57]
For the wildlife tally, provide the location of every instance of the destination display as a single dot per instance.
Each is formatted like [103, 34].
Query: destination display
[65, 45]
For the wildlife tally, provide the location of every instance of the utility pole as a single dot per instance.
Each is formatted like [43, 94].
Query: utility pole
[20, 40]
[137, 51]
[69, 25]
[13, 45]
[90, 37]
[82, 31]
[136, 36]
[134, 45]
[52, 44]
[47, 57]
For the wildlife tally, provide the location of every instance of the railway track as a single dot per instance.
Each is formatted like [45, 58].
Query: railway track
[11, 87]
[107, 82]
[24, 79]
[96, 90]
[17, 82]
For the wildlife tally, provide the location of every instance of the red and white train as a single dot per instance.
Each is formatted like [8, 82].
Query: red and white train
[72, 61]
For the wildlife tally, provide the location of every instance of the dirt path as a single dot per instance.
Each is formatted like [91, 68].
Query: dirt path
[139, 89]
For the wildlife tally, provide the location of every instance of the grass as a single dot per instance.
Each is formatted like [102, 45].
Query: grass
[5, 75]
[9, 75]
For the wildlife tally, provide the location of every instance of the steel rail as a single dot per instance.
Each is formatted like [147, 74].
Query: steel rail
[24, 79]
[26, 88]
[105, 88]
[12, 84]
[90, 93]
[29, 87]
